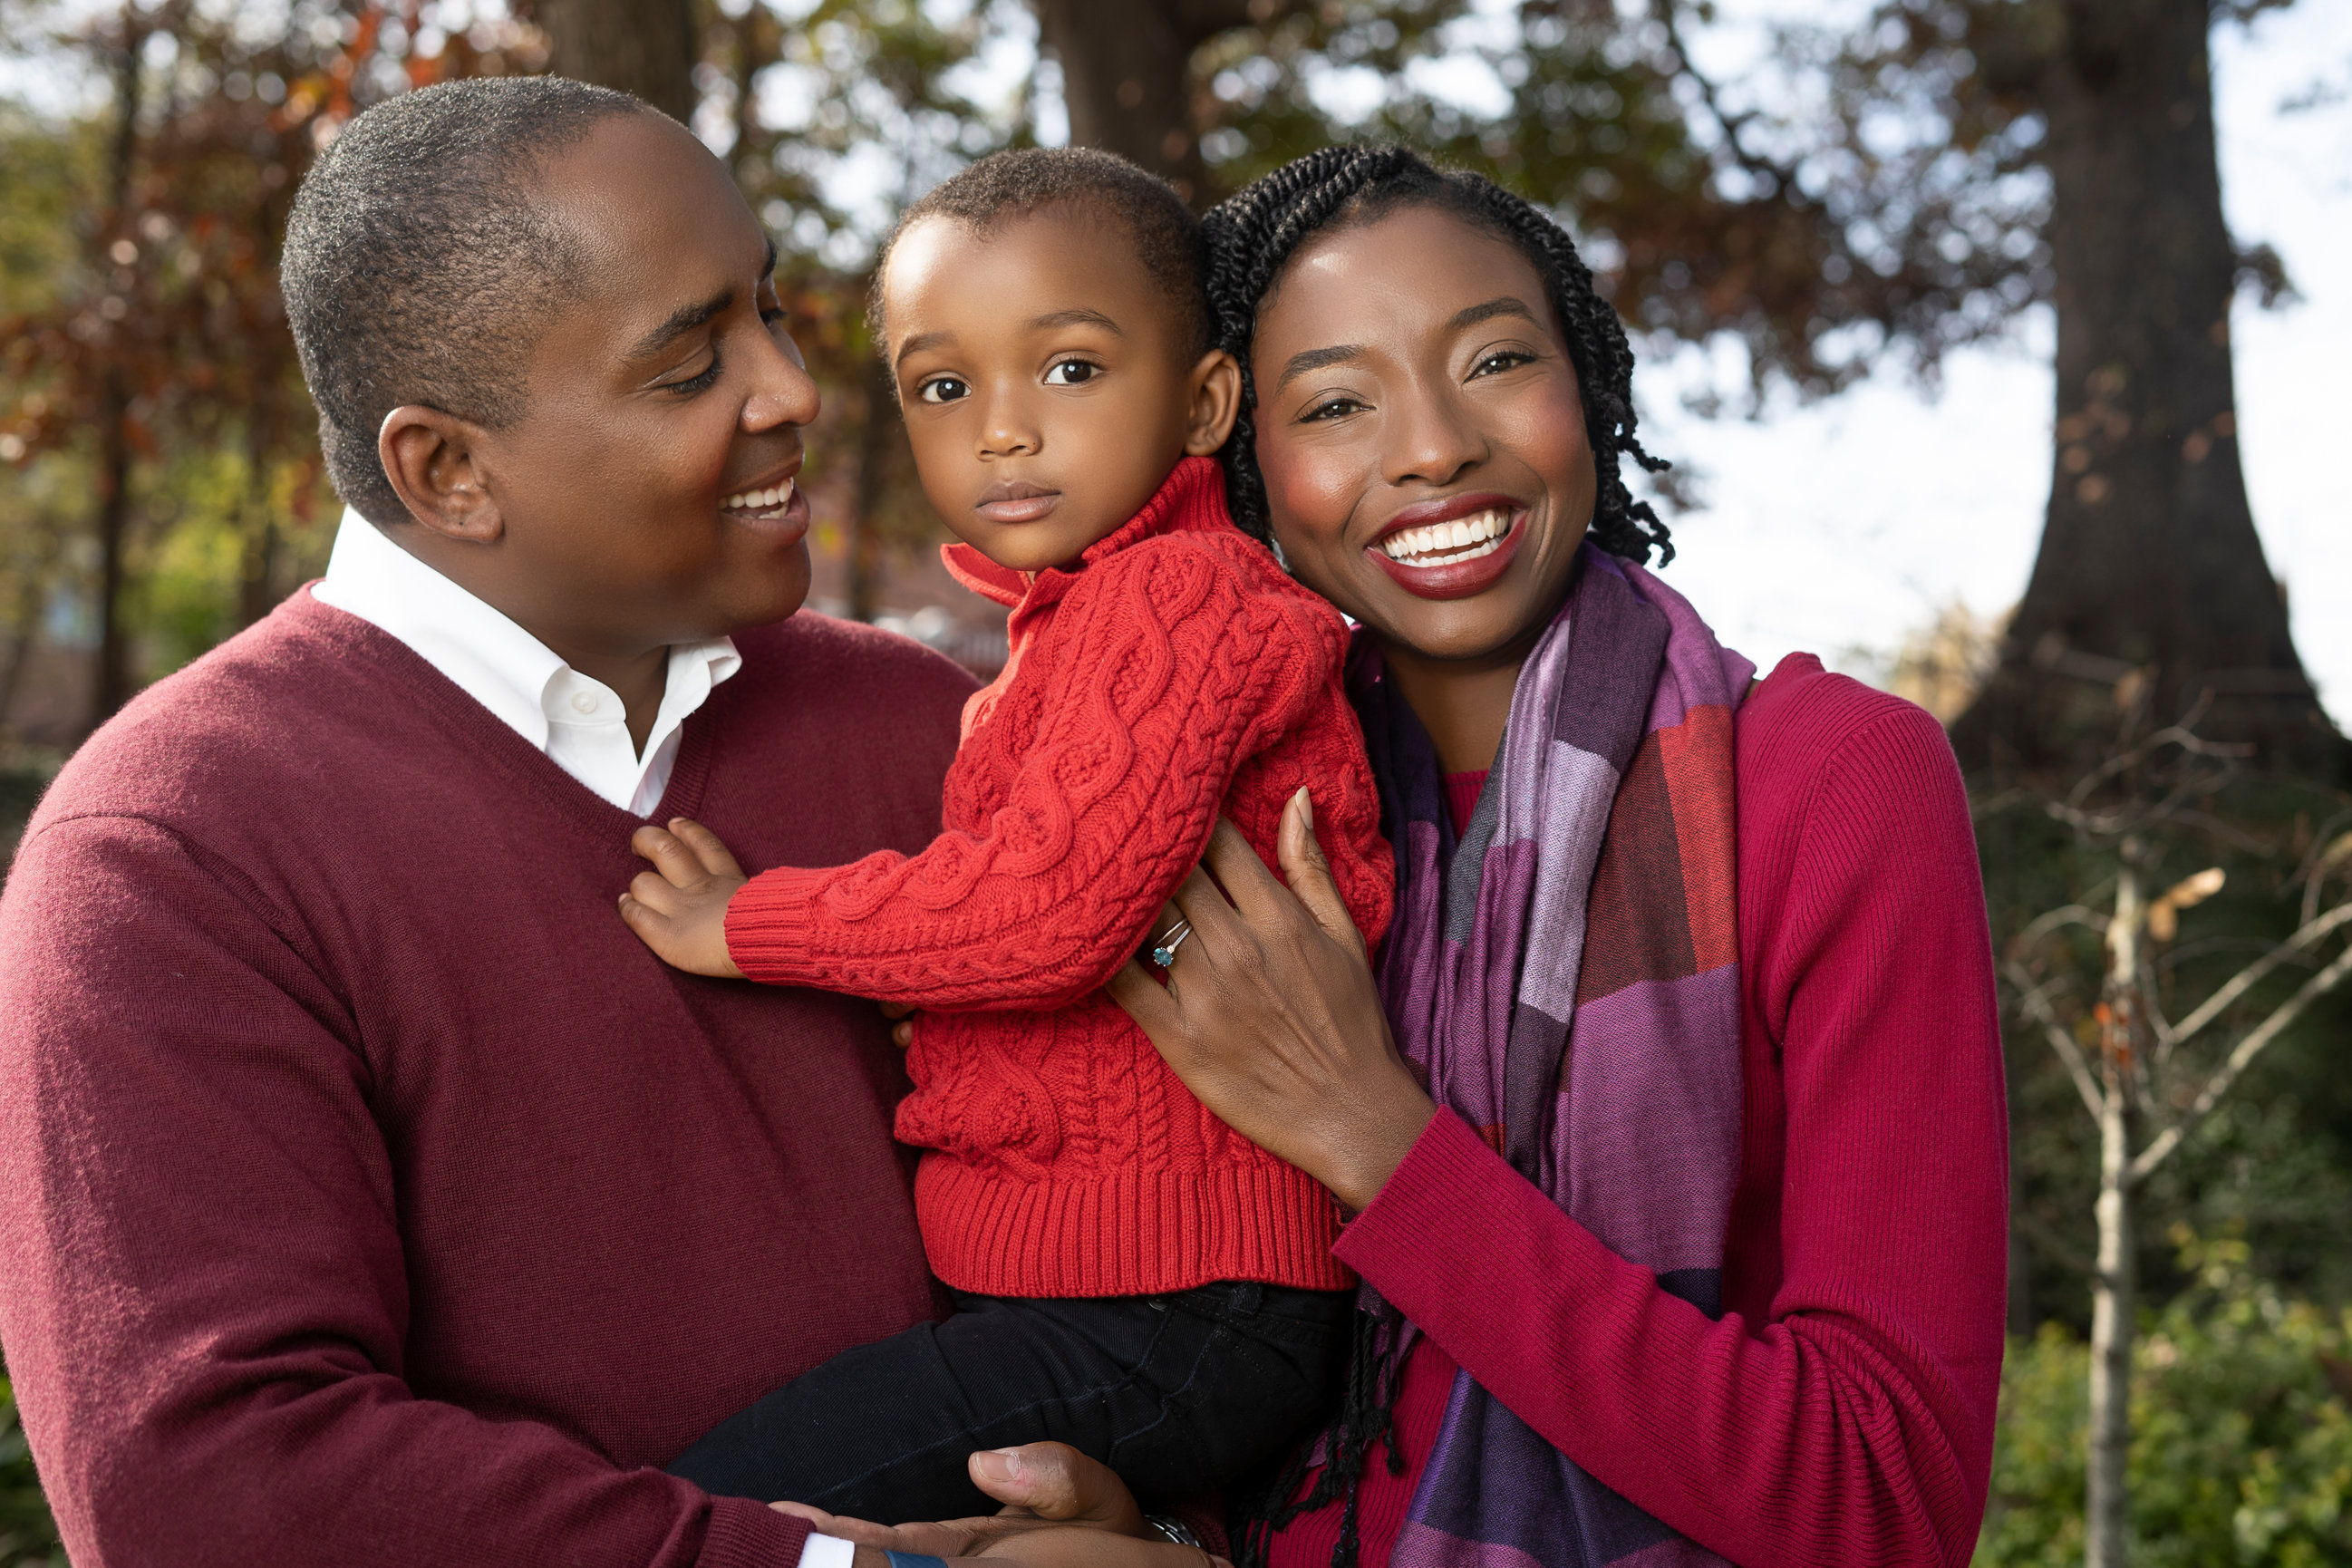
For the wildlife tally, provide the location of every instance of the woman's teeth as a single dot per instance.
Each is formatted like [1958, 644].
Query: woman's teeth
[760, 500]
[1445, 543]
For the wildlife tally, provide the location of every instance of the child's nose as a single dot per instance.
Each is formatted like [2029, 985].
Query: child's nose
[1008, 432]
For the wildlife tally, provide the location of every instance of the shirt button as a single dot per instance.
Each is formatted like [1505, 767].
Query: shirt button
[583, 702]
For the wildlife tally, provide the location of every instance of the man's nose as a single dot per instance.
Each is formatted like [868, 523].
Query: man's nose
[783, 391]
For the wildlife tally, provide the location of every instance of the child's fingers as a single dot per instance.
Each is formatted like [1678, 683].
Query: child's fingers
[712, 853]
[655, 892]
[678, 864]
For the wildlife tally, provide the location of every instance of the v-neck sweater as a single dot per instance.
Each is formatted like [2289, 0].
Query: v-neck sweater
[1178, 675]
[368, 1194]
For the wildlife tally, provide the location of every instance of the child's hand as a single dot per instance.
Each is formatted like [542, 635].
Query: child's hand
[679, 908]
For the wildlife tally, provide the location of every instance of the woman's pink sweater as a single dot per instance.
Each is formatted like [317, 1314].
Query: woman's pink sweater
[1841, 1409]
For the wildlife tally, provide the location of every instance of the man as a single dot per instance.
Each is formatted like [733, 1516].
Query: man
[368, 1194]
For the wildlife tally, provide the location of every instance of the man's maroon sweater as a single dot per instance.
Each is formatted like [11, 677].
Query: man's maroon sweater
[368, 1193]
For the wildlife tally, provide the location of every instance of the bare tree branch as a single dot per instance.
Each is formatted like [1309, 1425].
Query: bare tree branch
[2238, 984]
[2171, 1139]
[2036, 1002]
[2044, 1236]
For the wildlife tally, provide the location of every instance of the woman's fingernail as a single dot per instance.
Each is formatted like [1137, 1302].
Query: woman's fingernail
[998, 1463]
[1306, 805]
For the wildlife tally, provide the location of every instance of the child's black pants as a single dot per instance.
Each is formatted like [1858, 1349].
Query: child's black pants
[1179, 1394]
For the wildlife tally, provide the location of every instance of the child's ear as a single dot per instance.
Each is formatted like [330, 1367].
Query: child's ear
[431, 461]
[1216, 387]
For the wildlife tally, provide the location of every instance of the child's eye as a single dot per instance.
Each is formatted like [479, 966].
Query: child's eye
[943, 389]
[1331, 408]
[1072, 373]
[1503, 359]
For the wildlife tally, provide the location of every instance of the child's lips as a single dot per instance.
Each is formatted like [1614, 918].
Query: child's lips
[1016, 501]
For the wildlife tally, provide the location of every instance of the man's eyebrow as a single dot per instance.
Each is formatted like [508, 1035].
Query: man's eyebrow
[1316, 359]
[682, 320]
[685, 318]
[1078, 318]
[1504, 305]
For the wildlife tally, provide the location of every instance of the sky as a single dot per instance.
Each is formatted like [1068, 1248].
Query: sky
[1842, 527]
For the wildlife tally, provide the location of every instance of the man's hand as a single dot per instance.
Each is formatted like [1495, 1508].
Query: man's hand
[1062, 1509]
[679, 908]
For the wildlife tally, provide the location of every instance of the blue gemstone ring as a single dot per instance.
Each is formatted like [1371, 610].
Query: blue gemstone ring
[1165, 953]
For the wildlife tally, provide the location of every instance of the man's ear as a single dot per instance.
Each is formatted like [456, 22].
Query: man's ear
[431, 458]
[1216, 402]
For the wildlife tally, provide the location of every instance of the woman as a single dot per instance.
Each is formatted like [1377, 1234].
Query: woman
[1680, 1212]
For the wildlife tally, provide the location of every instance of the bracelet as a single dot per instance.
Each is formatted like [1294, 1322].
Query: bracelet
[1175, 1529]
[915, 1560]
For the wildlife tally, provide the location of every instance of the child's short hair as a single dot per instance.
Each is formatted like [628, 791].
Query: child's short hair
[1015, 184]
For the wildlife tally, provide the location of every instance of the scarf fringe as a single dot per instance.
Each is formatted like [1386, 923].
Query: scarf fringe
[1366, 1418]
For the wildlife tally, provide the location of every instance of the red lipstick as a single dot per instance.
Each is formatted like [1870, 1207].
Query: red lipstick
[1456, 579]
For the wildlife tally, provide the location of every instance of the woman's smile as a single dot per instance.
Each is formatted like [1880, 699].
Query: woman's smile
[1452, 547]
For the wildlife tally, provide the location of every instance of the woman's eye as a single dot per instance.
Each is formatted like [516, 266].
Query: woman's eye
[943, 389]
[1495, 363]
[1072, 373]
[1331, 408]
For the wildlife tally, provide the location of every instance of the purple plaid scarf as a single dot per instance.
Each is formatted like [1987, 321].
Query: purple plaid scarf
[1568, 977]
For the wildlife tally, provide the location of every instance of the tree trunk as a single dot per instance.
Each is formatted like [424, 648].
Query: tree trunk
[2109, 1505]
[2107, 1508]
[111, 687]
[1126, 76]
[2148, 554]
[643, 46]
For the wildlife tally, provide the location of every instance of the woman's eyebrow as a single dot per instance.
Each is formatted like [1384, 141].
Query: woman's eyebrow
[1502, 305]
[1316, 359]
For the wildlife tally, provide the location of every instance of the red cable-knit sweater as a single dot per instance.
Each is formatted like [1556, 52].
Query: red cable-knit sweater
[1179, 673]
[1842, 1410]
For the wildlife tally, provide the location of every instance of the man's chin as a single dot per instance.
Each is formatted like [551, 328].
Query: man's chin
[769, 591]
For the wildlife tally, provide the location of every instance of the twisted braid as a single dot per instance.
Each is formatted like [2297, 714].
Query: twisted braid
[1253, 236]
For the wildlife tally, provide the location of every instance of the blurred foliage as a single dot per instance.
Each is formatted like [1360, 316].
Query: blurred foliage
[2272, 1164]
[28, 1537]
[2241, 1448]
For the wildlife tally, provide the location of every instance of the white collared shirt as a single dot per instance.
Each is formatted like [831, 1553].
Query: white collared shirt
[579, 721]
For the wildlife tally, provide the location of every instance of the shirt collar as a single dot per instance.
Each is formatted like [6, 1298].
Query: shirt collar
[483, 651]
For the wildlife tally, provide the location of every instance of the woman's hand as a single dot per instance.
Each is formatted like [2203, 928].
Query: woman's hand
[1061, 1508]
[1270, 1016]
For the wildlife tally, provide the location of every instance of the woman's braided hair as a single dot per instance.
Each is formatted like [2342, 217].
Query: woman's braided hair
[1253, 236]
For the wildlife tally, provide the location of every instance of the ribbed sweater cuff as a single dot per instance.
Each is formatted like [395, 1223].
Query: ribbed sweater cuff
[768, 922]
[743, 1534]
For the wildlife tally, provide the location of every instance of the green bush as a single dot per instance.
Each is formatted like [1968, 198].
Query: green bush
[2241, 1442]
[28, 1537]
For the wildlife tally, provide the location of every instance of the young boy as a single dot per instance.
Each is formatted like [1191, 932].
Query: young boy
[1132, 1277]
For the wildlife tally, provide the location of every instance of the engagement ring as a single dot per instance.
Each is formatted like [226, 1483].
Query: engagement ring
[1165, 953]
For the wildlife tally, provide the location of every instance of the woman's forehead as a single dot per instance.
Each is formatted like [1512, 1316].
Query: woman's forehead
[1411, 272]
